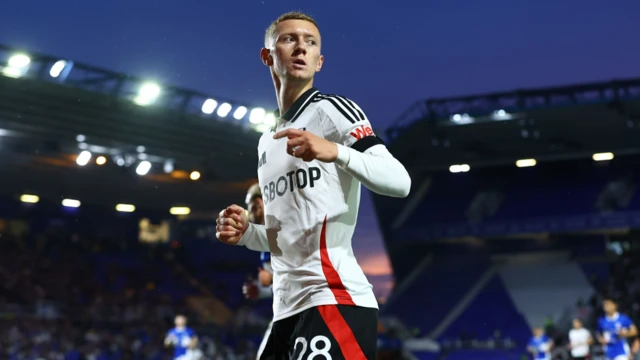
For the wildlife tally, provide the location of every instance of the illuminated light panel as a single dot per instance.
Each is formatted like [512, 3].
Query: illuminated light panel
[101, 160]
[143, 168]
[459, 168]
[256, 116]
[195, 175]
[179, 174]
[125, 208]
[208, 106]
[72, 203]
[29, 199]
[240, 113]
[147, 94]
[180, 211]
[269, 119]
[83, 158]
[526, 163]
[602, 156]
[17, 66]
[57, 68]
[224, 110]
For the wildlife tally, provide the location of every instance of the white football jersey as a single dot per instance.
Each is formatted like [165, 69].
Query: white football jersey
[311, 209]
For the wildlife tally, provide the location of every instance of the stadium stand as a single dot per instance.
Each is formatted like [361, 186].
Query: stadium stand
[523, 213]
[517, 198]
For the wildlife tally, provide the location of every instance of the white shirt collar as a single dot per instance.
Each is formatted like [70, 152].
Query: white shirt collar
[614, 317]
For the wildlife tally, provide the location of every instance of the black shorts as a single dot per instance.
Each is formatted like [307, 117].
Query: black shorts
[325, 332]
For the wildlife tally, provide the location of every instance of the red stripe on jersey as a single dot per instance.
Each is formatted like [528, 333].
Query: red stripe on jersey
[333, 278]
[341, 331]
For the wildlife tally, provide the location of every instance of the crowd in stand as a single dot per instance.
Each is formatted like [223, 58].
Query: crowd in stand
[54, 306]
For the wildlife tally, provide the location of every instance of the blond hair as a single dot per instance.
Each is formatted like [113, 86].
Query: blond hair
[270, 33]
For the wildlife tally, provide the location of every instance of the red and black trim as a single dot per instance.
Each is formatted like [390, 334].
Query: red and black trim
[333, 278]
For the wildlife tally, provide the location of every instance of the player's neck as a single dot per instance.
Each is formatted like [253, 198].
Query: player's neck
[288, 92]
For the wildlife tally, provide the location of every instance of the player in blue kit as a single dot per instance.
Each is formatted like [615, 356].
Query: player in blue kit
[540, 345]
[261, 290]
[613, 331]
[183, 340]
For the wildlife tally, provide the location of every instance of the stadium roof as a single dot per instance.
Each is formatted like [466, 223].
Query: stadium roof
[52, 110]
[500, 128]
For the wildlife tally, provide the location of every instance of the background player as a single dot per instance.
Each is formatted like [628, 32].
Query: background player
[579, 340]
[540, 345]
[183, 340]
[613, 330]
[323, 304]
[261, 290]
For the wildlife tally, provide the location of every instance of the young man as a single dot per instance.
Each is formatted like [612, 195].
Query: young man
[310, 168]
[613, 331]
[579, 341]
[183, 340]
[540, 345]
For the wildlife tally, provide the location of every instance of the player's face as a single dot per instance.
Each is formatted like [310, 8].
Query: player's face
[180, 321]
[256, 210]
[295, 54]
[537, 332]
[577, 324]
[609, 307]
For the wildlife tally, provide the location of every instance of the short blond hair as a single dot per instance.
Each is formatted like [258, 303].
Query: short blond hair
[270, 33]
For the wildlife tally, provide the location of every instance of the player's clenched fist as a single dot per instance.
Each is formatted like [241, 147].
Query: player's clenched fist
[307, 146]
[232, 222]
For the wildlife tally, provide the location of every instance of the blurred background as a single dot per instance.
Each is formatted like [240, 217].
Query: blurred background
[126, 126]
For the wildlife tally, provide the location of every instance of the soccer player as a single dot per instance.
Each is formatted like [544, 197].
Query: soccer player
[540, 345]
[310, 167]
[579, 341]
[183, 339]
[613, 330]
[255, 209]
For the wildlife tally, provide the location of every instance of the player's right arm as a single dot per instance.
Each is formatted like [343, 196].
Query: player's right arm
[599, 333]
[169, 339]
[233, 228]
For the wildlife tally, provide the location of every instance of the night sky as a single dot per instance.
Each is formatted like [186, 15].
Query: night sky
[383, 55]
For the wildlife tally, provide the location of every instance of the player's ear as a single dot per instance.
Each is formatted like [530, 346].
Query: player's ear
[265, 55]
[320, 62]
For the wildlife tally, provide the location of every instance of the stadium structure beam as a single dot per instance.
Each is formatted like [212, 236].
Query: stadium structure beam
[443, 109]
[90, 78]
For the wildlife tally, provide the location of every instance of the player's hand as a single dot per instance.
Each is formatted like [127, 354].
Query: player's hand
[250, 290]
[232, 222]
[307, 146]
[265, 278]
[623, 332]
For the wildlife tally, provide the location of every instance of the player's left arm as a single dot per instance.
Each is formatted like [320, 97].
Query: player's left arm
[362, 154]
[350, 142]
[194, 340]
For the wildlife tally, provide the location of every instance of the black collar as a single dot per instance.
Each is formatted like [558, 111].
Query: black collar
[299, 105]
